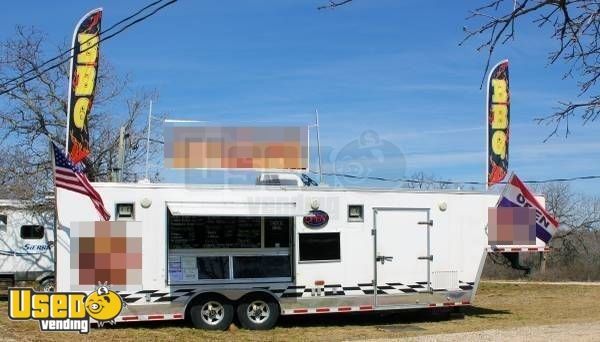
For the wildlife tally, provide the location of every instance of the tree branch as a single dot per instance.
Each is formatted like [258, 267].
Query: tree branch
[575, 27]
[334, 4]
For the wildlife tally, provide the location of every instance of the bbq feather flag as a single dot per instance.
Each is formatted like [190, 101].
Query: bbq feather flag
[83, 77]
[516, 194]
[498, 121]
[72, 177]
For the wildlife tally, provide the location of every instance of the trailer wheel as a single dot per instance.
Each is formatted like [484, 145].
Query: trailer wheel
[258, 312]
[212, 313]
[48, 285]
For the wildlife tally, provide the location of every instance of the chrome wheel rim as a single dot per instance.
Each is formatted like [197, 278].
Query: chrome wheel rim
[258, 311]
[48, 287]
[212, 312]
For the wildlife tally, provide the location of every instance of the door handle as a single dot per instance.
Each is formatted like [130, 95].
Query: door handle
[383, 259]
[427, 257]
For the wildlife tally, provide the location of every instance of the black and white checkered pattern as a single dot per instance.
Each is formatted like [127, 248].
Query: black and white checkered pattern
[156, 296]
[465, 285]
[293, 291]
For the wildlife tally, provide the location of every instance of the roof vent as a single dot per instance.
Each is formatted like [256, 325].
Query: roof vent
[279, 179]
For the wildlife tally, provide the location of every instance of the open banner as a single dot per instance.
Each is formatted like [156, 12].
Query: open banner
[82, 83]
[512, 208]
[498, 120]
[201, 147]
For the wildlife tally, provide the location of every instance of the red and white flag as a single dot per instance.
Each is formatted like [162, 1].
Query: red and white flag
[516, 194]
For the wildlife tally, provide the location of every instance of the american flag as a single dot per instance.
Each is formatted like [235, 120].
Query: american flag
[72, 177]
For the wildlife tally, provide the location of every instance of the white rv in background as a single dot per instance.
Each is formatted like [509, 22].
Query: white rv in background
[209, 253]
[26, 245]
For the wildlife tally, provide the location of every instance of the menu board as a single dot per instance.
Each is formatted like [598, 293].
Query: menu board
[187, 232]
[277, 231]
[175, 273]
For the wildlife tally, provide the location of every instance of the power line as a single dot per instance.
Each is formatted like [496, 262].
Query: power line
[558, 180]
[448, 182]
[37, 67]
[54, 66]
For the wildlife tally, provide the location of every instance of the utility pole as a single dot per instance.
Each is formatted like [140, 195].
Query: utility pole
[121, 155]
[318, 146]
[148, 140]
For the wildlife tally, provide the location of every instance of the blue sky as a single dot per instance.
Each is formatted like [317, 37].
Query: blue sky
[393, 67]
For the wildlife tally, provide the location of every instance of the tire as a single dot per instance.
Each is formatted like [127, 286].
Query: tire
[47, 285]
[258, 312]
[212, 313]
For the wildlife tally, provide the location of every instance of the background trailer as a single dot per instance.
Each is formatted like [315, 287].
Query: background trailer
[210, 252]
[26, 240]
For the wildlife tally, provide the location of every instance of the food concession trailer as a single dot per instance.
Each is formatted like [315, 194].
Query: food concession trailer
[207, 253]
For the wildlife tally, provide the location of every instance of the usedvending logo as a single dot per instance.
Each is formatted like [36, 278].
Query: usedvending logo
[65, 311]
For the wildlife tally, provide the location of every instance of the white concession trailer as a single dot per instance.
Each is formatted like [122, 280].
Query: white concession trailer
[208, 253]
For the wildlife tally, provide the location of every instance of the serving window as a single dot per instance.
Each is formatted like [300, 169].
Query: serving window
[214, 249]
[319, 247]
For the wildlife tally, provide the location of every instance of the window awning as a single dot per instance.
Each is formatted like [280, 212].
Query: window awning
[234, 209]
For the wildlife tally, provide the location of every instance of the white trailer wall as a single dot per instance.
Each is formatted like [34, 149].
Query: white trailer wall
[458, 236]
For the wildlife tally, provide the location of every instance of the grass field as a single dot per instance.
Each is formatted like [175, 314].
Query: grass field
[497, 306]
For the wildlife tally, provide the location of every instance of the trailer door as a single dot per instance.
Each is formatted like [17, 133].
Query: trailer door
[402, 253]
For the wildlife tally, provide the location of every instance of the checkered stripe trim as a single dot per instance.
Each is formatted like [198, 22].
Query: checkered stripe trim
[156, 296]
[466, 285]
[293, 291]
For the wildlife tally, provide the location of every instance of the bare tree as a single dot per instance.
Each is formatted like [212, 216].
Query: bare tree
[19, 178]
[421, 180]
[579, 217]
[36, 112]
[576, 246]
[574, 26]
[575, 212]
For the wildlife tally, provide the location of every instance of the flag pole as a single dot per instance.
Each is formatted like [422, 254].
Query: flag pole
[56, 222]
[487, 133]
[510, 177]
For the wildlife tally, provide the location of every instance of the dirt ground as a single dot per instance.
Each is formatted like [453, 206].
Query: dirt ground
[521, 311]
[542, 333]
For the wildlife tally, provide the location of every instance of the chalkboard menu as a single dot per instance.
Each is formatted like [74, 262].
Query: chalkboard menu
[277, 231]
[187, 232]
